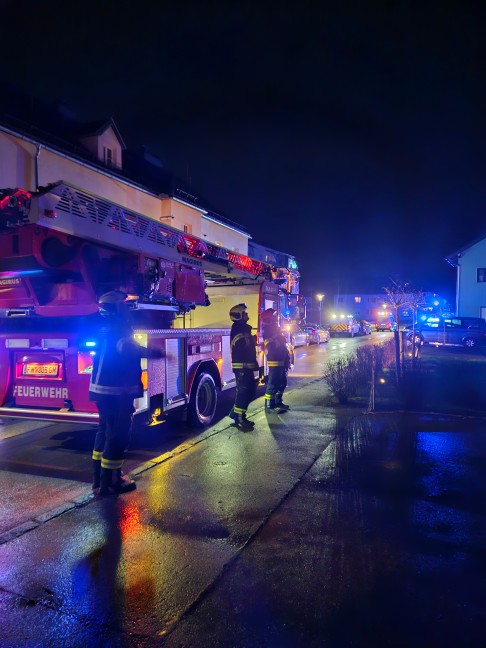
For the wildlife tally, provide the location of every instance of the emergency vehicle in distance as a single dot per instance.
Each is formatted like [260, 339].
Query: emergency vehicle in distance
[62, 247]
[343, 326]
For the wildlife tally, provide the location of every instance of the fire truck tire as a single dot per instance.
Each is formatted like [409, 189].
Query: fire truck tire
[202, 404]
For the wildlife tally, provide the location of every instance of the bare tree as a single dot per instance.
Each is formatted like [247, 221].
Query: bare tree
[396, 298]
[416, 299]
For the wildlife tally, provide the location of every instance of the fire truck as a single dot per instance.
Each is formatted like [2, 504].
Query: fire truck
[60, 249]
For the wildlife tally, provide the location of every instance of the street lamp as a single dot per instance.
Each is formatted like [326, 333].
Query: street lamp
[320, 297]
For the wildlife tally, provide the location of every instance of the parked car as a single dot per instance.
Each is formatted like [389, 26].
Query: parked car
[467, 331]
[298, 336]
[383, 325]
[365, 327]
[316, 333]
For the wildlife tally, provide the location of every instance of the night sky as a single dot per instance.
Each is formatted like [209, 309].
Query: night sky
[347, 134]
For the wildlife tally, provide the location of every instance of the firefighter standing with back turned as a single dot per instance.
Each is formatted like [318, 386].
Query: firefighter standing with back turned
[115, 383]
[244, 364]
[278, 360]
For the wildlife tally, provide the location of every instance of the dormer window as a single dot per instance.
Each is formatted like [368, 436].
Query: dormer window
[108, 156]
[104, 142]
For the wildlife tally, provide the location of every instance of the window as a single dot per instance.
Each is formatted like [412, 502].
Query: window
[357, 300]
[108, 155]
[480, 275]
[454, 323]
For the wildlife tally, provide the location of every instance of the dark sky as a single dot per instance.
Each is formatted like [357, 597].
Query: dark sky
[348, 134]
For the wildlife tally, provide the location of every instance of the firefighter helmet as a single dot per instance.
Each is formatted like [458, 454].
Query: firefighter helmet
[236, 313]
[113, 304]
[268, 317]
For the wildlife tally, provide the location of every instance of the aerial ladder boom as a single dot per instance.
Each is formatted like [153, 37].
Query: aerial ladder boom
[62, 246]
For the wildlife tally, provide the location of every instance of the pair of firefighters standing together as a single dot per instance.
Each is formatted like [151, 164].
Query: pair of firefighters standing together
[244, 363]
[116, 382]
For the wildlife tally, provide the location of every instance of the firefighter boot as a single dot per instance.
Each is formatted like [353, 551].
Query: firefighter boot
[280, 405]
[96, 474]
[270, 403]
[122, 483]
[106, 484]
[243, 424]
[241, 420]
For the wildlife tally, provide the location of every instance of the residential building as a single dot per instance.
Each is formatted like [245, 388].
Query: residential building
[373, 307]
[470, 264]
[41, 145]
[368, 307]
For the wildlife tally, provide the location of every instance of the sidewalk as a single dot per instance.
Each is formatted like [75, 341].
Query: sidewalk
[320, 528]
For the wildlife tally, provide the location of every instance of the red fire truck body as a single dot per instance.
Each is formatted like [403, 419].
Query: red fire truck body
[59, 250]
[47, 376]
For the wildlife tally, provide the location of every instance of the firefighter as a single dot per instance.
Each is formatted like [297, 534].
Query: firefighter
[278, 360]
[244, 364]
[115, 383]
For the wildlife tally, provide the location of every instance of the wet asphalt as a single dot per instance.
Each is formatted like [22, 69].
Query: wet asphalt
[322, 527]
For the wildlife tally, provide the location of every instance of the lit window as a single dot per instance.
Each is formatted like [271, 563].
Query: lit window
[357, 300]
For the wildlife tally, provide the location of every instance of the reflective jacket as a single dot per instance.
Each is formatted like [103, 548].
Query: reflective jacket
[116, 366]
[243, 347]
[276, 348]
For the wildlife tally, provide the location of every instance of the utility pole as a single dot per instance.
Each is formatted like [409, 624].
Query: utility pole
[320, 297]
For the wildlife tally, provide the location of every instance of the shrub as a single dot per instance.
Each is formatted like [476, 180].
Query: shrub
[341, 377]
[345, 375]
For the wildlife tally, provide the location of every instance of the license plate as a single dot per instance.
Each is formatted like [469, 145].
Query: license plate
[35, 369]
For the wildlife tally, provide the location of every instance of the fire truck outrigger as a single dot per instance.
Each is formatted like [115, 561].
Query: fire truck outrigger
[61, 248]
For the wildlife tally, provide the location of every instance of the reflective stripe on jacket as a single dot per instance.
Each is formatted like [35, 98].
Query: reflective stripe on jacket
[116, 366]
[276, 348]
[243, 347]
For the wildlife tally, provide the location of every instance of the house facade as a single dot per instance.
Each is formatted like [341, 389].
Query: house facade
[33, 155]
[470, 264]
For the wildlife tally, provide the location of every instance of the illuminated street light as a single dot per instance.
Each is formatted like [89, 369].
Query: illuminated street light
[320, 297]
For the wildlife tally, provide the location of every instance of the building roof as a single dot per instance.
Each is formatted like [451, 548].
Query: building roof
[57, 126]
[453, 257]
[90, 129]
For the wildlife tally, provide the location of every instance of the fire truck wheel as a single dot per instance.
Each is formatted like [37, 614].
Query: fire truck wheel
[202, 404]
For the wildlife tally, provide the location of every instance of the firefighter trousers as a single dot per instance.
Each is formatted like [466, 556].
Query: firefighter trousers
[245, 390]
[112, 438]
[276, 384]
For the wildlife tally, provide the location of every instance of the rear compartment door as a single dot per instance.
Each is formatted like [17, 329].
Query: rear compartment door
[39, 379]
